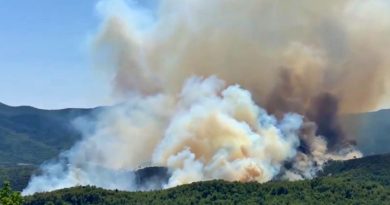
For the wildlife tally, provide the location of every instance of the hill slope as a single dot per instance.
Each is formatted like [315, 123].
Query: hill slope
[358, 181]
[371, 130]
[31, 136]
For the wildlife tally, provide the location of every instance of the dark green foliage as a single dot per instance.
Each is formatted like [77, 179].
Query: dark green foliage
[9, 197]
[359, 181]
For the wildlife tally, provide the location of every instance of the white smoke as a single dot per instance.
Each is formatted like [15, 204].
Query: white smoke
[220, 133]
[123, 138]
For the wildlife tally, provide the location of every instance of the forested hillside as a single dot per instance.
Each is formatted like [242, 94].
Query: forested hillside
[17, 175]
[31, 136]
[358, 181]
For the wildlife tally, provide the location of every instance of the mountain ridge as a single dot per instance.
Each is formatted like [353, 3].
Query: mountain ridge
[31, 135]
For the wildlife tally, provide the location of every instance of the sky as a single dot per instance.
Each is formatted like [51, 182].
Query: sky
[44, 48]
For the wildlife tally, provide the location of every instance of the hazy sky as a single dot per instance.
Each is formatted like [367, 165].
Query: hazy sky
[44, 54]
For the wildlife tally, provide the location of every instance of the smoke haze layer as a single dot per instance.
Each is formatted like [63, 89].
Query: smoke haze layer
[275, 75]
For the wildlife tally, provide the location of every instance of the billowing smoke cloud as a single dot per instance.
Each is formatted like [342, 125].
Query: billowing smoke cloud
[208, 131]
[271, 58]
[289, 55]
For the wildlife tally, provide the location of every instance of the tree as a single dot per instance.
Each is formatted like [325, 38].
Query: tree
[9, 197]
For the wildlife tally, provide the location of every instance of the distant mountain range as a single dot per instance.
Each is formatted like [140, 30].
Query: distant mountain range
[371, 130]
[30, 136]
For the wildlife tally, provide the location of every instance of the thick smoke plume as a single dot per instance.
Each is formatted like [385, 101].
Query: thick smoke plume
[208, 131]
[271, 58]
